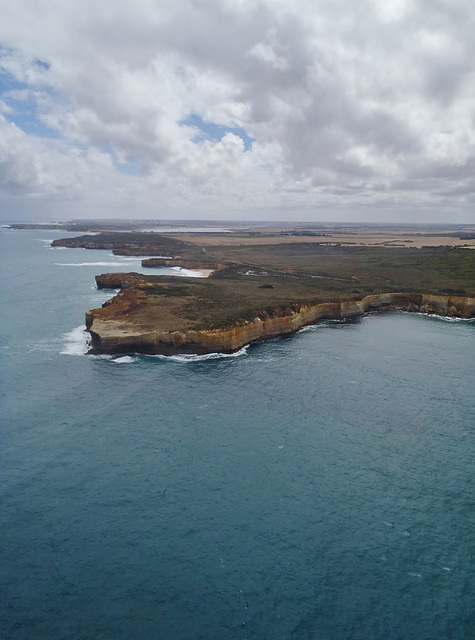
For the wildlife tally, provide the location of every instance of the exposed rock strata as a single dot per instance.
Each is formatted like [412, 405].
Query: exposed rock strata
[117, 280]
[115, 336]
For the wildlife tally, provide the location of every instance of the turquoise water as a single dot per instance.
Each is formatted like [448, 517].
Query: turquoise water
[314, 487]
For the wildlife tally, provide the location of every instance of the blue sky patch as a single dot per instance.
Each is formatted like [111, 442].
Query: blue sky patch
[43, 64]
[24, 110]
[213, 131]
[8, 83]
[133, 168]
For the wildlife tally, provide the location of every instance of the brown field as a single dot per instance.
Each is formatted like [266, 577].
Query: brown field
[359, 235]
[324, 267]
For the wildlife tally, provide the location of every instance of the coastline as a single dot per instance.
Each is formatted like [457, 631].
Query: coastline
[264, 290]
[206, 272]
[112, 336]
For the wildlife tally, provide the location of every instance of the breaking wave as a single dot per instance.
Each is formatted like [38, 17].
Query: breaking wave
[76, 342]
[442, 318]
[319, 325]
[203, 358]
[189, 273]
[123, 360]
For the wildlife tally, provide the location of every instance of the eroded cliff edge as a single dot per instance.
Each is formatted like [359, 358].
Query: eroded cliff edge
[162, 318]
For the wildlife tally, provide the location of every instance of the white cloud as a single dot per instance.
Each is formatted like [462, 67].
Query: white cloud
[351, 105]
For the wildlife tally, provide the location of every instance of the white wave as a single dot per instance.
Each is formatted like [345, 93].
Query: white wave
[123, 360]
[176, 358]
[76, 342]
[203, 358]
[311, 327]
[105, 294]
[189, 273]
[414, 575]
[438, 317]
[115, 289]
[91, 264]
[319, 325]
[308, 327]
[445, 318]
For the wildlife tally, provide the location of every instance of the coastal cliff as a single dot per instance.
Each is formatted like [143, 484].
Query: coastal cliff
[124, 332]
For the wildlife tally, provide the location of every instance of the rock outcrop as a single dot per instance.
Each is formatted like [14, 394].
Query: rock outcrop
[116, 336]
[117, 280]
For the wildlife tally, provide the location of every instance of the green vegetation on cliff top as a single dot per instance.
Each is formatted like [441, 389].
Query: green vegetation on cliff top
[437, 270]
[269, 278]
[133, 243]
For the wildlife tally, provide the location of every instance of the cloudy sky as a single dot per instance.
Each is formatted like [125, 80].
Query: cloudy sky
[337, 110]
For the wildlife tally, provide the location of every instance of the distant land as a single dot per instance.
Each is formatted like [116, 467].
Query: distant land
[267, 280]
[258, 232]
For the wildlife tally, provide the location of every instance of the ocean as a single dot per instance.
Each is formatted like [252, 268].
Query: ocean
[313, 487]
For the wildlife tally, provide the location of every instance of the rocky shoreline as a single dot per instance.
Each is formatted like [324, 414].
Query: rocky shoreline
[112, 335]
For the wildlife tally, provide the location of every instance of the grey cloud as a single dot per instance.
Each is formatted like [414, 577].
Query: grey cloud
[342, 98]
[465, 189]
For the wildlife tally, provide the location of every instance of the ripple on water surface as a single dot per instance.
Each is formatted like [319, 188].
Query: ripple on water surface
[319, 487]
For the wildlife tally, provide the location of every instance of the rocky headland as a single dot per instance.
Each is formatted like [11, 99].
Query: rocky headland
[165, 318]
[123, 243]
[264, 290]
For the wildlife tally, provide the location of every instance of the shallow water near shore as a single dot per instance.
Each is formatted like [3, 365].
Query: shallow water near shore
[314, 487]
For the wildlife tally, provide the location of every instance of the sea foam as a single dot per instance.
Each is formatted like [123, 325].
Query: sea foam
[189, 273]
[439, 317]
[203, 358]
[123, 360]
[320, 325]
[76, 342]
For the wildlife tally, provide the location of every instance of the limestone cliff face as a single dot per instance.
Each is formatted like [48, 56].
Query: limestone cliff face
[110, 336]
[116, 280]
